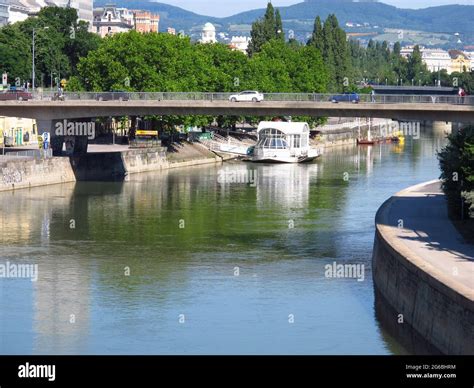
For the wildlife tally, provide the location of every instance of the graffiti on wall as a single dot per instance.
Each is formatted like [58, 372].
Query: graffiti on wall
[11, 176]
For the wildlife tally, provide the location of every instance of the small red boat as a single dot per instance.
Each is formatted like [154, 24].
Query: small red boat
[365, 142]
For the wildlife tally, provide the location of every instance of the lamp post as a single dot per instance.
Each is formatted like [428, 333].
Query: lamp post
[439, 74]
[52, 72]
[33, 73]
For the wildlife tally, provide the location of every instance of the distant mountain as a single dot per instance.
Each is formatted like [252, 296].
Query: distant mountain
[300, 17]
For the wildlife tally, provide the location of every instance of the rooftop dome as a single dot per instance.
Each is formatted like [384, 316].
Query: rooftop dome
[209, 27]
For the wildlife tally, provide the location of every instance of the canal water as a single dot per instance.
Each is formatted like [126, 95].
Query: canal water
[228, 259]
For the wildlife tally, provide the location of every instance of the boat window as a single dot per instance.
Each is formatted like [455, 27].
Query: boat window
[296, 141]
[272, 138]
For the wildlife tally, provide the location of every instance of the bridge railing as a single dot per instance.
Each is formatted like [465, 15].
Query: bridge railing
[28, 154]
[277, 97]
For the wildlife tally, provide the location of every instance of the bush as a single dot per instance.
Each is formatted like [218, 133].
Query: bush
[457, 172]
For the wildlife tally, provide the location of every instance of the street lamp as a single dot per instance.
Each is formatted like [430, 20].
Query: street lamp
[33, 75]
[52, 72]
[439, 74]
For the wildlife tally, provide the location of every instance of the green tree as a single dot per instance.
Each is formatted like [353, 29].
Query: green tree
[329, 51]
[15, 54]
[330, 39]
[317, 38]
[457, 171]
[60, 40]
[280, 34]
[227, 67]
[397, 48]
[416, 69]
[265, 29]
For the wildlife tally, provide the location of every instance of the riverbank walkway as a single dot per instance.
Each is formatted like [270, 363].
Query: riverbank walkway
[417, 224]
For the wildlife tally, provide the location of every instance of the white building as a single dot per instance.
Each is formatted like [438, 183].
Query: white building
[84, 8]
[4, 5]
[471, 55]
[110, 20]
[19, 10]
[406, 51]
[208, 34]
[240, 43]
[436, 59]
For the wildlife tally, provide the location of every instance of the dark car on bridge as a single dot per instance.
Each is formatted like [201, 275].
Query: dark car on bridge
[345, 97]
[15, 94]
[113, 96]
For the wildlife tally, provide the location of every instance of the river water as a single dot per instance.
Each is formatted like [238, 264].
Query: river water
[189, 261]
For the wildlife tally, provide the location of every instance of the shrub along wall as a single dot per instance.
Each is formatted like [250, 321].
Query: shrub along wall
[457, 172]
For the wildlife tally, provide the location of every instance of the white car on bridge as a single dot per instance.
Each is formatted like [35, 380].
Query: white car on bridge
[247, 96]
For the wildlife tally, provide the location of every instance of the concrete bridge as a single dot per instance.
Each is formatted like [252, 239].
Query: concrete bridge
[87, 105]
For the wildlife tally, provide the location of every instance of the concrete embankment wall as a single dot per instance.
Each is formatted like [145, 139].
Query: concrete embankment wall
[345, 136]
[107, 166]
[113, 166]
[437, 309]
[99, 166]
[144, 161]
[24, 173]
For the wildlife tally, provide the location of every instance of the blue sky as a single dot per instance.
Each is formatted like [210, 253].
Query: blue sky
[230, 7]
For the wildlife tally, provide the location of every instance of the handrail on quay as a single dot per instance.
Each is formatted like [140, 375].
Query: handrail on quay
[269, 97]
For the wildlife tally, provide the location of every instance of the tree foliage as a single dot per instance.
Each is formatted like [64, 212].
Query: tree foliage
[266, 29]
[457, 171]
[60, 40]
[167, 63]
[330, 40]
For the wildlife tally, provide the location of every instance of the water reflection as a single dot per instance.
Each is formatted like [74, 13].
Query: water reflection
[400, 338]
[286, 186]
[119, 262]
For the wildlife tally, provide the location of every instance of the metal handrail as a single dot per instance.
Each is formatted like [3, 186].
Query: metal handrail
[30, 154]
[275, 97]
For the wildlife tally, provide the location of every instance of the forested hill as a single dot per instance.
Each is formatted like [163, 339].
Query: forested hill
[300, 17]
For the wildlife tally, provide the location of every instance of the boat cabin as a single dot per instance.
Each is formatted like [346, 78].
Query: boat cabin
[281, 141]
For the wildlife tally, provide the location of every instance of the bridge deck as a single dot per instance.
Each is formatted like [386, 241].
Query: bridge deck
[51, 110]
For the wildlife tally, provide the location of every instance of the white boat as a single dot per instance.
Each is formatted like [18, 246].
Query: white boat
[283, 142]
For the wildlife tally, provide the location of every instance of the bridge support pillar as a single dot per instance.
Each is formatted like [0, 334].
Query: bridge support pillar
[74, 144]
[441, 127]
